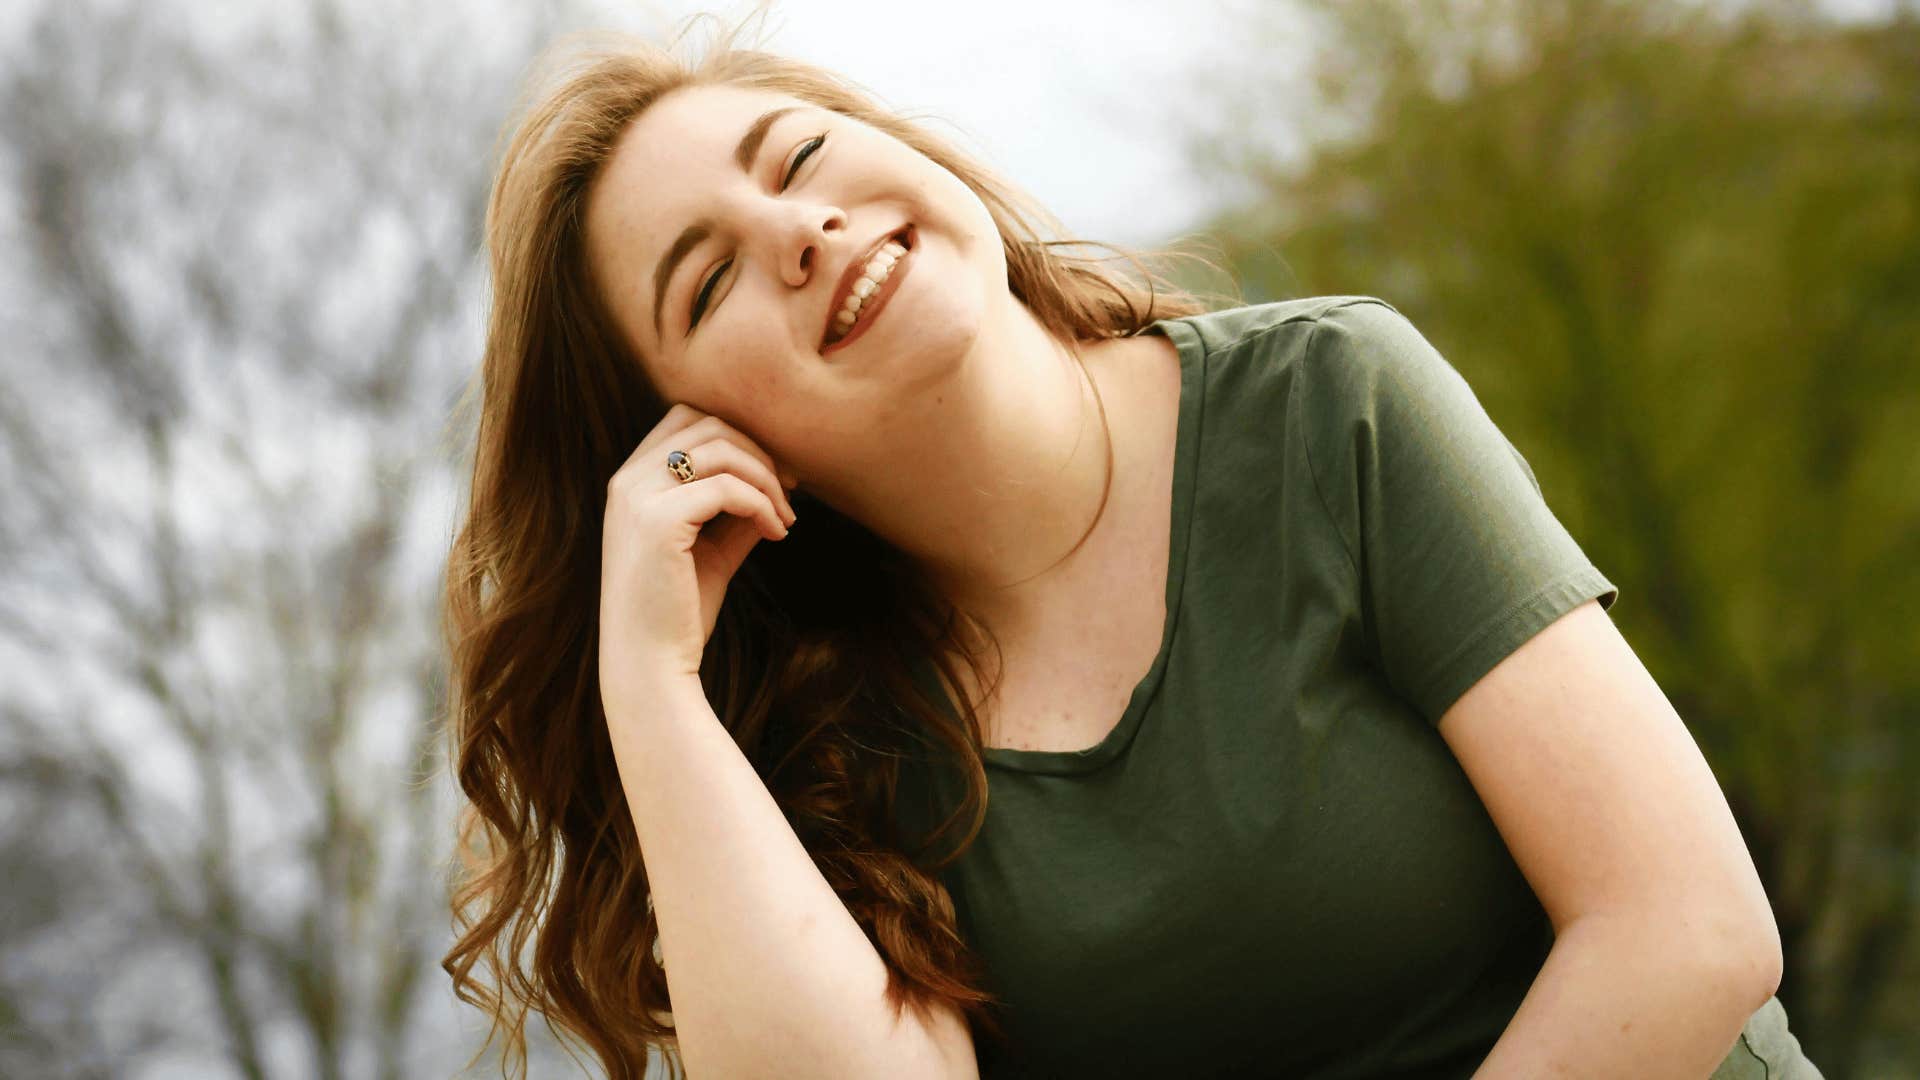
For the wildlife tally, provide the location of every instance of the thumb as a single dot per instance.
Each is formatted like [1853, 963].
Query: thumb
[733, 537]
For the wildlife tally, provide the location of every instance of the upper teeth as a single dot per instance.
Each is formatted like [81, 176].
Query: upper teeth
[867, 284]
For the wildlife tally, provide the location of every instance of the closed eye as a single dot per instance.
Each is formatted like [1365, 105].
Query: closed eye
[807, 150]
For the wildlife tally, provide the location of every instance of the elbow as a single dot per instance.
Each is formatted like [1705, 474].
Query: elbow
[1749, 965]
[1743, 945]
[1758, 958]
[1770, 963]
[1739, 957]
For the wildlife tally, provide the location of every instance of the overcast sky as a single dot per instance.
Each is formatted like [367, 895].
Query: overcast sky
[1085, 103]
[1082, 102]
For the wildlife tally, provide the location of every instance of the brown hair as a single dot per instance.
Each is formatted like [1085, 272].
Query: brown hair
[815, 685]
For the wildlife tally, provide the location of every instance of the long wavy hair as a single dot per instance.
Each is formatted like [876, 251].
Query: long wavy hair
[812, 678]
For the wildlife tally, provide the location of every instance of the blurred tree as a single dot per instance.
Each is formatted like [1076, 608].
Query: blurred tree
[1676, 250]
[239, 300]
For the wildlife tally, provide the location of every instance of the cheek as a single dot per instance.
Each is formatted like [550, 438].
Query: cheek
[972, 233]
[735, 336]
[953, 198]
[772, 414]
[748, 406]
[756, 378]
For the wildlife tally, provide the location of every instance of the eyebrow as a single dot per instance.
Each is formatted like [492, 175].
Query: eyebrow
[694, 234]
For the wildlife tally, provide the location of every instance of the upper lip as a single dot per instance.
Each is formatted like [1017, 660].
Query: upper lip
[848, 276]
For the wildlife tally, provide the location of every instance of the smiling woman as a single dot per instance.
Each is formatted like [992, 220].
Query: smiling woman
[1092, 723]
[675, 239]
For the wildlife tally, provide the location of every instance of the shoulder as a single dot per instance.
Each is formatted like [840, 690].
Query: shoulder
[1320, 361]
[1280, 323]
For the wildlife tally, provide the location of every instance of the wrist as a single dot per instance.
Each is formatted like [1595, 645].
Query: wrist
[638, 694]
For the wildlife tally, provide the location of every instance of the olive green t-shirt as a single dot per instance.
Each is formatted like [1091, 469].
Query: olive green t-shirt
[1274, 865]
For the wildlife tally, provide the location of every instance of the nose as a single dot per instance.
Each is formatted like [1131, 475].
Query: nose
[804, 242]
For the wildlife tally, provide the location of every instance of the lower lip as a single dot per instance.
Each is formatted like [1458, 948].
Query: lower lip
[871, 308]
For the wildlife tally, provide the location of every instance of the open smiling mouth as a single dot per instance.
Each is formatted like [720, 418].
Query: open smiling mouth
[879, 277]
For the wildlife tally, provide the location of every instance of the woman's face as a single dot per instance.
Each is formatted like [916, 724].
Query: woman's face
[674, 215]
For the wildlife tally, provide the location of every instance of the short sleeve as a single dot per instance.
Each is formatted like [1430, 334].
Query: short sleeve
[1457, 557]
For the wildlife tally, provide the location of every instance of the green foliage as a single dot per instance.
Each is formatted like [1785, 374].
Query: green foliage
[1677, 254]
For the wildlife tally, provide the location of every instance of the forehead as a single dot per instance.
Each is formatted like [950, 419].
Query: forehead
[670, 154]
[693, 126]
[655, 182]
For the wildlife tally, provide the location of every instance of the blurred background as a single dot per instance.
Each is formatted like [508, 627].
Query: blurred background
[1674, 246]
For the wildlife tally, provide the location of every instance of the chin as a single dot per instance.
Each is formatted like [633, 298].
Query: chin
[931, 330]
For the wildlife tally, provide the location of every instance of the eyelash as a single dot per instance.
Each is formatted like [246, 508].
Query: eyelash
[706, 287]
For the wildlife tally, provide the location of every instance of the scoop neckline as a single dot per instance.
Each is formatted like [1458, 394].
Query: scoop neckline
[1187, 343]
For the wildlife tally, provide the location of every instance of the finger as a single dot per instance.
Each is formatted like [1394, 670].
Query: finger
[722, 455]
[708, 426]
[734, 538]
[668, 430]
[702, 500]
[713, 426]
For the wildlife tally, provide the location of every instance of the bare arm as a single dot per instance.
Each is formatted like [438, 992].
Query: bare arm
[770, 974]
[1629, 996]
[1665, 942]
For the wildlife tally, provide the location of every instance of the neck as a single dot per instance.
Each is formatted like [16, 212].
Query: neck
[999, 479]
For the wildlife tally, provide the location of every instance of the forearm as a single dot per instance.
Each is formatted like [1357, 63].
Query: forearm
[770, 975]
[1625, 997]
